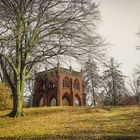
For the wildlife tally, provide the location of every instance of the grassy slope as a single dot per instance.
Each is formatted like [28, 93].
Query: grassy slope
[73, 123]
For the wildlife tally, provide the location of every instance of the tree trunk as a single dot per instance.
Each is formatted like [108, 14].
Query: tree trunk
[94, 100]
[93, 92]
[17, 110]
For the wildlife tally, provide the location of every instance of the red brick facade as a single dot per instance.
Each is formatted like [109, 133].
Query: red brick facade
[59, 86]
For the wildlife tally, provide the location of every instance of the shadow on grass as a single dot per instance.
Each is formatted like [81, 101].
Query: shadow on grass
[70, 137]
[4, 113]
[123, 117]
[49, 110]
[3, 116]
[38, 111]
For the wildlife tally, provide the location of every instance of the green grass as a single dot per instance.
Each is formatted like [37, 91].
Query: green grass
[112, 123]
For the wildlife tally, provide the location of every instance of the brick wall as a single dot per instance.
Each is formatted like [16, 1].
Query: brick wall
[59, 92]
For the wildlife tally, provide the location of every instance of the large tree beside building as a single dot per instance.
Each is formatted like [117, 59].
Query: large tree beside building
[33, 31]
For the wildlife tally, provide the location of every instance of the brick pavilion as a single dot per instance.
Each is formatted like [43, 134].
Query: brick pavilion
[59, 87]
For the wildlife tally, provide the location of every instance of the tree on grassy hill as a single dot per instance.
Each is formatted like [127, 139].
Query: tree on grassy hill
[114, 84]
[92, 80]
[36, 31]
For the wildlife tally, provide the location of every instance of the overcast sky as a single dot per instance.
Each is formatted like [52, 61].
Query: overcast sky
[120, 23]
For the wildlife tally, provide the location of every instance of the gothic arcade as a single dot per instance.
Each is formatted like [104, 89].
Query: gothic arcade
[59, 87]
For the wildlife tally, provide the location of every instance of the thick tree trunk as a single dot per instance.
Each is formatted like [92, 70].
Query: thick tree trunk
[17, 110]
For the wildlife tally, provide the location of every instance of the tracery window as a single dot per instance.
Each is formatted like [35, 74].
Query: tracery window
[66, 82]
[51, 85]
[76, 84]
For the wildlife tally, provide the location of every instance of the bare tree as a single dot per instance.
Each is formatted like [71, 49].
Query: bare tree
[135, 86]
[34, 31]
[92, 80]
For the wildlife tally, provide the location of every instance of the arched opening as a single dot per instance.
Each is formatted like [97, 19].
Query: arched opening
[53, 102]
[41, 102]
[66, 100]
[77, 101]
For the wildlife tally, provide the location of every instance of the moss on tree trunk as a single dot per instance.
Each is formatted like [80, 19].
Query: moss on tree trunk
[17, 110]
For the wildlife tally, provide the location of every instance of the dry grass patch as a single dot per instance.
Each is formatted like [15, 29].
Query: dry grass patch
[73, 123]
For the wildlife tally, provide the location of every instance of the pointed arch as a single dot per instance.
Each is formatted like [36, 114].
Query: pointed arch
[41, 102]
[77, 100]
[52, 101]
[66, 100]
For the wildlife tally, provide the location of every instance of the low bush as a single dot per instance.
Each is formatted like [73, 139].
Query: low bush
[5, 97]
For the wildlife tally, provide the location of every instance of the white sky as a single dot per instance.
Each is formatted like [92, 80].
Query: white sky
[120, 23]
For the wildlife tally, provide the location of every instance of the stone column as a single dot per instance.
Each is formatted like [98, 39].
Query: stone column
[71, 92]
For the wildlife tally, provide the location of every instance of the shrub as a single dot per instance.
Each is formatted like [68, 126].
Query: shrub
[5, 97]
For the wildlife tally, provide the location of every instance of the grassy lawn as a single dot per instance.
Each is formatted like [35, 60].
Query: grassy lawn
[108, 123]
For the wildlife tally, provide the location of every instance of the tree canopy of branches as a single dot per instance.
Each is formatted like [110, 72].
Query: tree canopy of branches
[33, 31]
[114, 84]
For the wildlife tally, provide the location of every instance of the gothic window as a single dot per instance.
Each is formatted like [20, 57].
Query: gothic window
[66, 82]
[51, 85]
[44, 86]
[76, 84]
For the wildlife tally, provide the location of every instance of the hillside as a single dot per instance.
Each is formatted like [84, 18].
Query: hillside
[116, 123]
